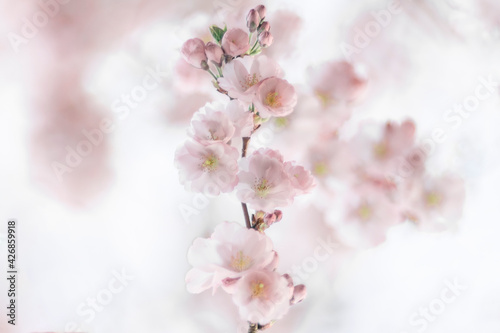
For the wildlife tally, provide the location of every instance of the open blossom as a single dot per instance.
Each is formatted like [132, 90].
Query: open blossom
[226, 256]
[241, 118]
[264, 184]
[338, 81]
[433, 198]
[210, 126]
[275, 97]
[242, 76]
[263, 296]
[235, 42]
[301, 179]
[193, 51]
[210, 168]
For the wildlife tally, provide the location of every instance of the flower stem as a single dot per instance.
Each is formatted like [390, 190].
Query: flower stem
[244, 205]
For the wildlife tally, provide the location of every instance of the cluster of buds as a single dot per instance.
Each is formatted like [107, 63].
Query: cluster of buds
[255, 22]
[262, 220]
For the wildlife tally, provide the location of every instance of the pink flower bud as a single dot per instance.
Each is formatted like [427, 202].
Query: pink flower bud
[279, 215]
[261, 9]
[193, 51]
[214, 53]
[289, 279]
[253, 20]
[235, 42]
[299, 293]
[265, 26]
[265, 39]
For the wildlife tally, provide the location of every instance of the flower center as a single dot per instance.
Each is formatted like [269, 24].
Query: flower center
[210, 164]
[320, 169]
[433, 199]
[213, 135]
[240, 262]
[364, 212]
[257, 289]
[380, 150]
[262, 188]
[273, 100]
[250, 80]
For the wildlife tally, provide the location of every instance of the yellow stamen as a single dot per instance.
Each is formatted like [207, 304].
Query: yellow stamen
[240, 262]
[320, 169]
[210, 164]
[262, 188]
[257, 289]
[433, 199]
[365, 212]
[380, 150]
[273, 100]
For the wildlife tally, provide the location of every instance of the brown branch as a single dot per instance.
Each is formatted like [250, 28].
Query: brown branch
[244, 205]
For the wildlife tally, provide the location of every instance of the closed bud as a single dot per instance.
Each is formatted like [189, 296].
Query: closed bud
[214, 53]
[253, 20]
[261, 9]
[265, 26]
[193, 51]
[279, 215]
[265, 39]
[299, 293]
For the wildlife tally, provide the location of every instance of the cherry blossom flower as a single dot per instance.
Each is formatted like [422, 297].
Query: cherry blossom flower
[214, 53]
[241, 118]
[210, 168]
[242, 76]
[300, 178]
[264, 184]
[262, 296]
[210, 126]
[230, 252]
[235, 42]
[337, 81]
[193, 51]
[275, 97]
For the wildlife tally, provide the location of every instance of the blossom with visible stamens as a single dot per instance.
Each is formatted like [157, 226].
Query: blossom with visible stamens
[262, 296]
[226, 256]
[275, 97]
[210, 168]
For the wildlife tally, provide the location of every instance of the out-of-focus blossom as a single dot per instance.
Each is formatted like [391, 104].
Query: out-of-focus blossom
[337, 82]
[264, 184]
[193, 51]
[300, 178]
[241, 77]
[230, 252]
[262, 296]
[235, 42]
[212, 169]
[241, 118]
[275, 98]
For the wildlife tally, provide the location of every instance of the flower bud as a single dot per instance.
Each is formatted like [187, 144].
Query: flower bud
[299, 293]
[193, 51]
[261, 10]
[265, 26]
[253, 20]
[214, 53]
[278, 214]
[265, 39]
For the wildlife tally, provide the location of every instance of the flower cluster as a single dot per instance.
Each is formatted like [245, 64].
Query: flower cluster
[241, 260]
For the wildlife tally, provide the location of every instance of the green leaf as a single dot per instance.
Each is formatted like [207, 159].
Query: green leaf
[217, 33]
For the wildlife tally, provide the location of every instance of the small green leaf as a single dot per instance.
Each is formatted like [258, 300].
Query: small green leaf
[217, 33]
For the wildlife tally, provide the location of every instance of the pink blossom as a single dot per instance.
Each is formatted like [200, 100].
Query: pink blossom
[301, 179]
[262, 296]
[337, 81]
[266, 39]
[193, 51]
[242, 76]
[235, 42]
[253, 20]
[210, 126]
[214, 53]
[275, 98]
[211, 168]
[435, 199]
[264, 184]
[241, 118]
[230, 252]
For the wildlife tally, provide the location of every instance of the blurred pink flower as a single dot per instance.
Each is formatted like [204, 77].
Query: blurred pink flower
[275, 98]
[242, 76]
[193, 51]
[212, 169]
[264, 184]
[241, 118]
[227, 255]
[337, 82]
[262, 296]
[235, 42]
[301, 179]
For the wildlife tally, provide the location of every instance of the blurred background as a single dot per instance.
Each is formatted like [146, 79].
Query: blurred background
[103, 234]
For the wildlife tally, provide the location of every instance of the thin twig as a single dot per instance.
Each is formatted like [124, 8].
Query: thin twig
[244, 205]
